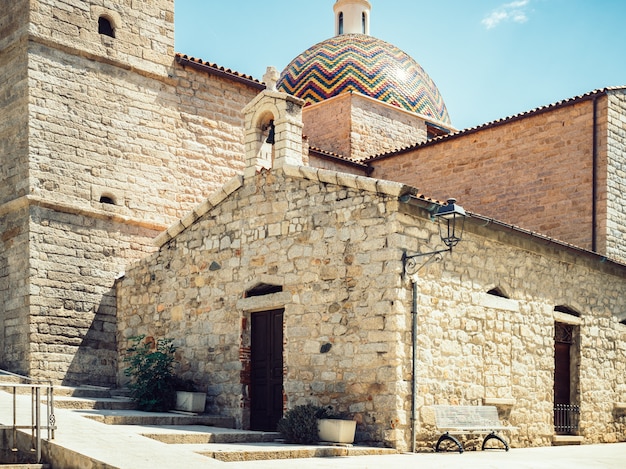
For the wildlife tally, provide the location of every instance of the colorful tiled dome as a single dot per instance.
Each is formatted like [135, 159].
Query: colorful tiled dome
[364, 64]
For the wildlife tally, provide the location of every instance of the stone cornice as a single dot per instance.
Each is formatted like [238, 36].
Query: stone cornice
[35, 201]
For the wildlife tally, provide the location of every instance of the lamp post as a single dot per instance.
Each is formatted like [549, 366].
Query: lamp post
[451, 220]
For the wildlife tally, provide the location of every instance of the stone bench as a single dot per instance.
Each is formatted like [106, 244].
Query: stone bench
[469, 420]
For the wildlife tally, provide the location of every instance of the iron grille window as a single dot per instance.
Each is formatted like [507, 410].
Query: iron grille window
[566, 417]
[564, 333]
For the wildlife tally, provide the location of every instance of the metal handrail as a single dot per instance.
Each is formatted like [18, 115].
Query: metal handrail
[35, 385]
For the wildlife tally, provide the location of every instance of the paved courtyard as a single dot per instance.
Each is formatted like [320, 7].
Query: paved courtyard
[608, 456]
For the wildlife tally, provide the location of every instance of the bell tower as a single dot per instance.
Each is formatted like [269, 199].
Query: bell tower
[83, 135]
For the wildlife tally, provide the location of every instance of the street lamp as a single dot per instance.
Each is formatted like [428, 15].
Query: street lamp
[451, 220]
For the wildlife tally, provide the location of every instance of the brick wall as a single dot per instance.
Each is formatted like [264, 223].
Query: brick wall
[358, 127]
[534, 172]
[327, 125]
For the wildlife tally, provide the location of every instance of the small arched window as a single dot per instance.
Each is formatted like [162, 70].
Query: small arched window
[566, 310]
[105, 199]
[340, 27]
[105, 27]
[364, 22]
[263, 289]
[497, 292]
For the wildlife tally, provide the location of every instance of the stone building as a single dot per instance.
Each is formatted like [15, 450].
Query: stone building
[105, 140]
[300, 269]
[235, 207]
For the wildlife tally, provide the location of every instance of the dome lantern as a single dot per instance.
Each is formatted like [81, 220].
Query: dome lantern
[352, 17]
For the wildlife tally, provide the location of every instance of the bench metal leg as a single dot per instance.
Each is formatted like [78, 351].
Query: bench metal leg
[494, 436]
[447, 436]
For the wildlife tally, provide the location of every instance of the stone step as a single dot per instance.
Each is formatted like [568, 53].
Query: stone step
[200, 434]
[130, 417]
[24, 466]
[267, 451]
[82, 391]
[84, 403]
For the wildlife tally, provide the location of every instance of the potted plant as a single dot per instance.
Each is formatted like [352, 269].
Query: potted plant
[151, 369]
[299, 425]
[308, 424]
[188, 398]
[336, 427]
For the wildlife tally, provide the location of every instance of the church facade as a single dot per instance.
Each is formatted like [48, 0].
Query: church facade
[263, 226]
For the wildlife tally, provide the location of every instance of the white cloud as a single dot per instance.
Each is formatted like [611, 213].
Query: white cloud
[514, 11]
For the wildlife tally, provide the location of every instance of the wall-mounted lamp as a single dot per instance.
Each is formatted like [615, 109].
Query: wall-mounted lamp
[451, 221]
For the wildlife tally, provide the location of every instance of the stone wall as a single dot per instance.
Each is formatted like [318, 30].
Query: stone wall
[615, 176]
[327, 247]
[14, 289]
[13, 183]
[144, 30]
[72, 302]
[118, 141]
[477, 348]
[334, 245]
[548, 154]
[13, 101]
[158, 147]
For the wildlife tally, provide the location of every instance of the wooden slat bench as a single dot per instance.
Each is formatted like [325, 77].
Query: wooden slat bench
[469, 420]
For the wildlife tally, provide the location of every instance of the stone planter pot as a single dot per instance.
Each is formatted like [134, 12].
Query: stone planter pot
[190, 401]
[336, 431]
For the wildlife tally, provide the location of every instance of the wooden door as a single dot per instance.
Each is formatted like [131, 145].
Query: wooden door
[266, 387]
[562, 375]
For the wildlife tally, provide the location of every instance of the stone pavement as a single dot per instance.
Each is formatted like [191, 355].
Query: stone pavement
[608, 456]
[85, 443]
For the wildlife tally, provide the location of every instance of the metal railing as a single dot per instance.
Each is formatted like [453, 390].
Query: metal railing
[36, 386]
[566, 419]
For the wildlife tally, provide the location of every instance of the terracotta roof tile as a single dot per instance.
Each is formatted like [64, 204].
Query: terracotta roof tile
[504, 120]
[215, 69]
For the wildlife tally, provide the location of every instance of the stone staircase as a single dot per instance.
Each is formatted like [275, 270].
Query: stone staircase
[198, 435]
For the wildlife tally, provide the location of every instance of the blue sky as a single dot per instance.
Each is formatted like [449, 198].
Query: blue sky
[489, 58]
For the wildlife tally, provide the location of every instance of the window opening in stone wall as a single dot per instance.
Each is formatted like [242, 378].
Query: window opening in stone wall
[363, 21]
[340, 29]
[497, 292]
[566, 310]
[105, 27]
[105, 199]
[563, 333]
[263, 289]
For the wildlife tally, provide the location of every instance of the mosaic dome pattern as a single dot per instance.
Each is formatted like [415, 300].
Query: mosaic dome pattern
[363, 64]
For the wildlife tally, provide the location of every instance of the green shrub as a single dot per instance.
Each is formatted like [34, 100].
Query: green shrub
[151, 369]
[299, 425]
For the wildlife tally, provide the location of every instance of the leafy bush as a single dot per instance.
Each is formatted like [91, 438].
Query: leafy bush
[299, 425]
[151, 369]
[328, 413]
